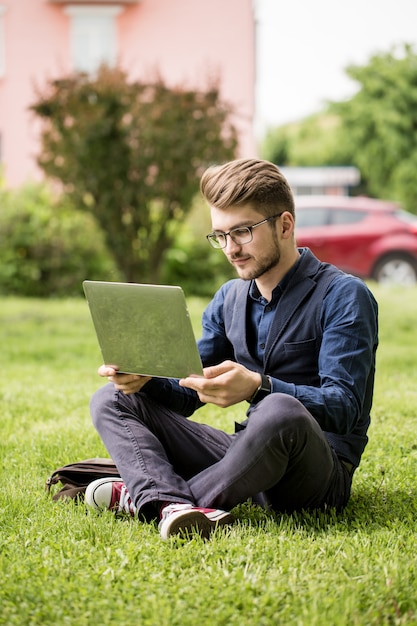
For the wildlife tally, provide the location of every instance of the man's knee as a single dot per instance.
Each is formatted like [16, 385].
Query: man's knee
[109, 403]
[279, 412]
[100, 401]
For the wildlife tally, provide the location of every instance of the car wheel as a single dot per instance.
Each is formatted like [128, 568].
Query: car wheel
[396, 269]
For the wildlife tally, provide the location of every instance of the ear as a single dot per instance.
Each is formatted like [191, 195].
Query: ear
[287, 225]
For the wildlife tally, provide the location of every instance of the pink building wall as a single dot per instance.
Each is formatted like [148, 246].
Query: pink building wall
[186, 41]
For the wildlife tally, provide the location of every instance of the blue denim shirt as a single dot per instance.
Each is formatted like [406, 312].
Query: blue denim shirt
[347, 353]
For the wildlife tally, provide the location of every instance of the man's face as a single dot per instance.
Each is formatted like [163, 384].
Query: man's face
[259, 256]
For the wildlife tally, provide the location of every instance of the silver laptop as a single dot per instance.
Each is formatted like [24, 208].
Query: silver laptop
[143, 329]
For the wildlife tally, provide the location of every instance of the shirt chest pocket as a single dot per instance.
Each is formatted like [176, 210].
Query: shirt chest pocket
[299, 362]
[294, 348]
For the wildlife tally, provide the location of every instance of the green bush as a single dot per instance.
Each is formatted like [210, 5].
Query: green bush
[47, 248]
[131, 153]
[193, 264]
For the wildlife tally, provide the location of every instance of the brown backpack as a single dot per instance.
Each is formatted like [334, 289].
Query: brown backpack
[75, 477]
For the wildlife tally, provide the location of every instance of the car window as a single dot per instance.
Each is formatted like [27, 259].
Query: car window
[311, 217]
[404, 216]
[346, 216]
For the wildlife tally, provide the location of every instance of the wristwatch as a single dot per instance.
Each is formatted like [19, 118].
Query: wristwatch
[264, 389]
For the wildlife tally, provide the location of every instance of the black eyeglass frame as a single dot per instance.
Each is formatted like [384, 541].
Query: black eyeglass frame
[212, 238]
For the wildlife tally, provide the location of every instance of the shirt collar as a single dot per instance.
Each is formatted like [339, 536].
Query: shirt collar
[282, 285]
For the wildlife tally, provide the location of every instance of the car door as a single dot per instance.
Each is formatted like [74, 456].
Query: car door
[311, 229]
[334, 234]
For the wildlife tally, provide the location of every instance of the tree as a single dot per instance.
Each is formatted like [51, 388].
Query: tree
[375, 130]
[313, 141]
[379, 124]
[132, 153]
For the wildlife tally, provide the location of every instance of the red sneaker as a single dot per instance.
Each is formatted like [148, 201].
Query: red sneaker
[186, 519]
[109, 493]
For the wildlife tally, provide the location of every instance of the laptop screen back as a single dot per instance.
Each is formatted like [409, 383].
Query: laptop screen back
[143, 329]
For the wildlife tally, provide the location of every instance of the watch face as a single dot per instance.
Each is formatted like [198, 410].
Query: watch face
[264, 389]
[266, 385]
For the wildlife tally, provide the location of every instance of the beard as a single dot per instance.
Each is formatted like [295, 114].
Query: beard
[261, 267]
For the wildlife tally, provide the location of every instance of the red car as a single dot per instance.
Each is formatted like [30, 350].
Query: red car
[369, 238]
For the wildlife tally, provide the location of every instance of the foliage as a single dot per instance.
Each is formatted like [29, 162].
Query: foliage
[132, 153]
[46, 246]
[191, 262]
[60, 565]
[276, 145]
[199, 270]
[380, 124]
[311, 142]
[375, 130]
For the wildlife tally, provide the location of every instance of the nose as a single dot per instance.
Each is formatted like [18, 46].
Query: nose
[231, 246]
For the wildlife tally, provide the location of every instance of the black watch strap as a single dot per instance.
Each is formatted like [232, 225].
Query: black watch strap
[264, 389]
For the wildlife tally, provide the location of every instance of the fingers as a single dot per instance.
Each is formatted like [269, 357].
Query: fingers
[207, 390]
[107, 370]
[214, 378]
[218, 370]
[220, 384]
[224, 384]
[128, 383]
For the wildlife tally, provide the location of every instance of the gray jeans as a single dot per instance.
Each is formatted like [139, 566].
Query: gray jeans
[281, 457]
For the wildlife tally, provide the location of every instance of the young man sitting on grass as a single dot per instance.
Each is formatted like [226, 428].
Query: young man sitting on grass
[294, 337]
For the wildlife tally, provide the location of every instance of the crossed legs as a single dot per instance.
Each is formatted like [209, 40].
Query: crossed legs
[164, 457]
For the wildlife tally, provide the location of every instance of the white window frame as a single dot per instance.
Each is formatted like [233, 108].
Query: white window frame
[83, 25]
[2, 42]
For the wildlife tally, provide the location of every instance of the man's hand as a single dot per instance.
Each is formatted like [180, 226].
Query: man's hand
[128, 383]
[224, 384]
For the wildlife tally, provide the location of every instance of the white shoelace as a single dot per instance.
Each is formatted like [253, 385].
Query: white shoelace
[125, 502]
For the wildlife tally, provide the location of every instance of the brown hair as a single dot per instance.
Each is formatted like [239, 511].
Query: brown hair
[247, 181]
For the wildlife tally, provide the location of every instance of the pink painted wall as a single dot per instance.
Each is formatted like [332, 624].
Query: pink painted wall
[187, 41]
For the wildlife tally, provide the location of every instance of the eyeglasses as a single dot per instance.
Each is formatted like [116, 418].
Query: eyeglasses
[240, 235]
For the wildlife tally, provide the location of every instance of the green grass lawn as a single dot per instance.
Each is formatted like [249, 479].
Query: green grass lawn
[61, 565]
